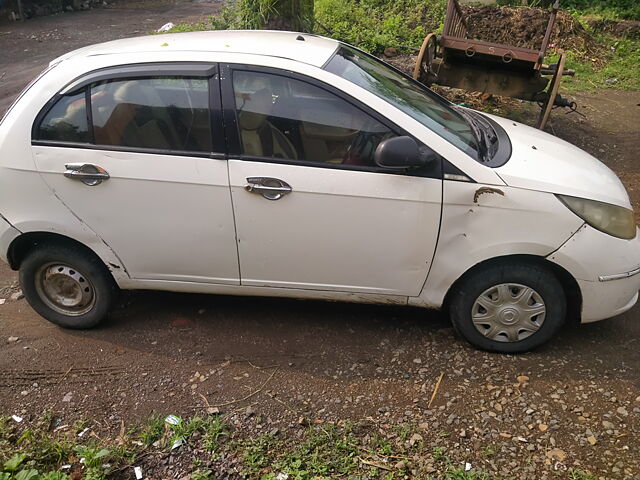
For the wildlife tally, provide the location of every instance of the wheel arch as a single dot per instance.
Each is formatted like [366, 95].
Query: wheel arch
[569, 284]
[23, 244]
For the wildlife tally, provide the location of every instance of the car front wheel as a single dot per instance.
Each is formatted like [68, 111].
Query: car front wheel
[67, 286]
[509, 307]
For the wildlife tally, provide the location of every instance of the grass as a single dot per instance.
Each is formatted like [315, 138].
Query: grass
[39, 451]
[620, 70]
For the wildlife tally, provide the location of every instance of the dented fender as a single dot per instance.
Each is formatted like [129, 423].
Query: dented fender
[480, 223]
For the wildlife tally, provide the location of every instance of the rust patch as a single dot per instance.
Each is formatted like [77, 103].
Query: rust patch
[483, 190]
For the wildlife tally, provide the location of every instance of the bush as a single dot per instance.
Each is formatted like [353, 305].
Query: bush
[374, 25]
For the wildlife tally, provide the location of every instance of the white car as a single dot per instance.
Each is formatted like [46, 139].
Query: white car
[286, 164]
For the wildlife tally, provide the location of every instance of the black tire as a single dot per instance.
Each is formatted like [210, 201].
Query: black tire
[81, 271]
[462, 307]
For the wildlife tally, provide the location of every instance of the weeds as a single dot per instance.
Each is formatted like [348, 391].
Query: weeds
[618, 72]
[37, 451]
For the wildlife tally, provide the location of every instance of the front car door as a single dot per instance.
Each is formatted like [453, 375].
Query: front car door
[312, 210]
[138, 156]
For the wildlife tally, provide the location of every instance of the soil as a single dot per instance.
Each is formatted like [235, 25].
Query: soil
[621, 28]
[526, 27]
[286, 359]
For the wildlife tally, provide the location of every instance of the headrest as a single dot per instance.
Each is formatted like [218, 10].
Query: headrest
[255, 109]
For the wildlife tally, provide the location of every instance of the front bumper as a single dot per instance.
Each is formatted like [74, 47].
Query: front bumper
[7, 235]
[606, 268]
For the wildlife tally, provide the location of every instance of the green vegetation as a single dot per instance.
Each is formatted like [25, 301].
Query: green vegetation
[619, 69]
[575, 474]
[374, 25]
[41, 451]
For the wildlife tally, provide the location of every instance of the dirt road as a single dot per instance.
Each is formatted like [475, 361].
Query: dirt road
[177, 353]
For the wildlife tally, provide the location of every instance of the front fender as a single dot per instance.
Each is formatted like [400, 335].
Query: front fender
[484, 222]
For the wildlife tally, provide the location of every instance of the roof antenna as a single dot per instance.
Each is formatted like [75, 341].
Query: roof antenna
[301, 38]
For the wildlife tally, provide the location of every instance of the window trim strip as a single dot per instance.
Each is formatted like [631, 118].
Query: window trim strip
[116, 148]
[141, 70]
[89, 112]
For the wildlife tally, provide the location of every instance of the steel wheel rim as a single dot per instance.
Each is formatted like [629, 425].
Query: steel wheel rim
[508, 312]
[64, 289]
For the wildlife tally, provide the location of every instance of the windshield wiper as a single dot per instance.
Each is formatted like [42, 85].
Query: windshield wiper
[485, 136]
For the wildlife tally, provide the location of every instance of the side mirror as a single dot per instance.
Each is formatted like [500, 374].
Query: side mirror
[403, 152]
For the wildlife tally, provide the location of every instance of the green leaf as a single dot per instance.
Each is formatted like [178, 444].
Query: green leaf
[54, 476]
[102, 453]
[27, 475]
[5, 475]
[14, 462]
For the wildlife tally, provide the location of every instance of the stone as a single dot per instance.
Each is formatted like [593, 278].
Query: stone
[17, 296]
[13, 339]
[592, 440]
[556, 454]
[390, 52]
[608, 425]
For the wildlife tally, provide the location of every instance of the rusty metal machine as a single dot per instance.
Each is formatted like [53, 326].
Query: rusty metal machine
[456, 59]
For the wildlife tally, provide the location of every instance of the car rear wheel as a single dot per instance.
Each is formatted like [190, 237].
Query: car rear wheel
[67, 286]
[509, 308]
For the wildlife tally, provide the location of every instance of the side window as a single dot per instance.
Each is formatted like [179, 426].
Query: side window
[66, 121]
[281, 117]
[167, 113]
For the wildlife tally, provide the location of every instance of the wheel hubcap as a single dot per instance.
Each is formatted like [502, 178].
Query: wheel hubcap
[508, 312]
[64, 289]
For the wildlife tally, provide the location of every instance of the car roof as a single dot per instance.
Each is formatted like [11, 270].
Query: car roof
[301, 47]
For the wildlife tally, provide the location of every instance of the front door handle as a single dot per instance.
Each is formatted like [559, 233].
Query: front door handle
[87, 173]
[270, 188]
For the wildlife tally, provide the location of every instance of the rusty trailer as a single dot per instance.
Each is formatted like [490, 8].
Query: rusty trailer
[456, 59]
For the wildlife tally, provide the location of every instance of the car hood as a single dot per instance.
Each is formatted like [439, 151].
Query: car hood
[542, 162]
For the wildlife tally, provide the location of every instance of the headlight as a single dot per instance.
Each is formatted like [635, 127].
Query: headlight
[611, 219]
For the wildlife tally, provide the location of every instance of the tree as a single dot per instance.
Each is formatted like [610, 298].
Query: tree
[292, 15]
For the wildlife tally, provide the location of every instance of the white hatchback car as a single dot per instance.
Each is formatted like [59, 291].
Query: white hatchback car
[286, 164]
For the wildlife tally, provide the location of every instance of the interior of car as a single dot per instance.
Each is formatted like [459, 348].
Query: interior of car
[286, 118]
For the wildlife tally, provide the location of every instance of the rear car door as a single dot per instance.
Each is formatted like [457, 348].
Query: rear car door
[137, 153]
[312, 210]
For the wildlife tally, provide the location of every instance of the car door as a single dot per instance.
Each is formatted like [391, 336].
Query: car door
[138, 156]
[312, 210]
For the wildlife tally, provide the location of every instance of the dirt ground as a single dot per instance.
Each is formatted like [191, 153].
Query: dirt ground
[572, 404]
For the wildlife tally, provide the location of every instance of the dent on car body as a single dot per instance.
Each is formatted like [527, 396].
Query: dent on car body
[478, 224]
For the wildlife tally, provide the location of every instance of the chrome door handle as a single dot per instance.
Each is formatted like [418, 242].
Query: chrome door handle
[87, 173]
[270, 188]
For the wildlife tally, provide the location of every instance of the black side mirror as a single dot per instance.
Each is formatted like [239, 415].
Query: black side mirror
[403, 152]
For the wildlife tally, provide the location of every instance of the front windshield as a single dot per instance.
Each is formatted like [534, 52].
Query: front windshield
[433, 111]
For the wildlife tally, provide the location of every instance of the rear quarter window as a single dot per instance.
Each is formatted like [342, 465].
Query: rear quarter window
[66, 121]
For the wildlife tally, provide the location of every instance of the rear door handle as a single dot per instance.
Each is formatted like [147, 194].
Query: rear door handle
[270, 188]
[87, 173]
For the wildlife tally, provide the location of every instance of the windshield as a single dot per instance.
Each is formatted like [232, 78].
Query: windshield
[433, 111]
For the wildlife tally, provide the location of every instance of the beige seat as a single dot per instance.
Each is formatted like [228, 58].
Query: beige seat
[260, 137]
[123, 126]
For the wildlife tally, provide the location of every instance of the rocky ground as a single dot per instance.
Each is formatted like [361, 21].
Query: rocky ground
[277, 366]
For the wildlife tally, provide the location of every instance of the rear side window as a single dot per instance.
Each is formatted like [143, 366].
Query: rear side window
[169, 113]
[66, 121]
[160, 113]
